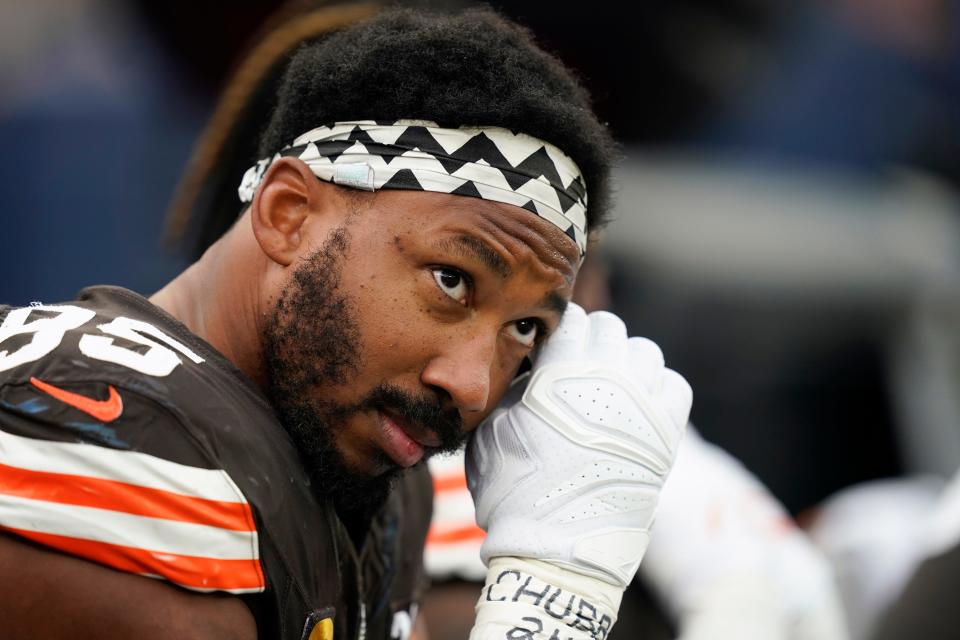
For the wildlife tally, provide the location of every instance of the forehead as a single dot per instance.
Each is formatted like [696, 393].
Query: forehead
[436, 216]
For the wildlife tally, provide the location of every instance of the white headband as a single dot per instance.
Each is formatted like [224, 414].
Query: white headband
[491, 163]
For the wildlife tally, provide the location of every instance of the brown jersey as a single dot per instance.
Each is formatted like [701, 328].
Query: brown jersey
[129, 441]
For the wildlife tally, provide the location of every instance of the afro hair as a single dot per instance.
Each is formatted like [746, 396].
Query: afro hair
[472, 68]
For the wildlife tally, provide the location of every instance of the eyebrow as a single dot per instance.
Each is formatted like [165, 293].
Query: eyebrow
[477, 248]
[555, 302]
[480, 250]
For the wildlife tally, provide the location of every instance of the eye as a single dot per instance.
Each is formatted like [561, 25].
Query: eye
[452, 282]
[525, 331]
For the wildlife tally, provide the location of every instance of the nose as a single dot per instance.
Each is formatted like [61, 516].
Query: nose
[462, 372]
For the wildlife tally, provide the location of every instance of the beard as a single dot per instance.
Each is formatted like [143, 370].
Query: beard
[312, 344]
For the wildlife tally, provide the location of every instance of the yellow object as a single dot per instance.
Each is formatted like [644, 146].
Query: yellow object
[323, 630]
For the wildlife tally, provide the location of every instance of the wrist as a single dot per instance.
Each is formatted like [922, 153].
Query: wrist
[526, 599]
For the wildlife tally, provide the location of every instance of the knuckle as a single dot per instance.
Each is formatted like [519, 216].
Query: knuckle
[606, 317]
[647, 348]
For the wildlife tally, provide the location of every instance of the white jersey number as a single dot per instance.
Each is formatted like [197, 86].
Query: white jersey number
[160, 358]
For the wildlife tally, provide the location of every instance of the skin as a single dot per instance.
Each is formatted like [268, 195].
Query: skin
[459, 345]
[413, 334]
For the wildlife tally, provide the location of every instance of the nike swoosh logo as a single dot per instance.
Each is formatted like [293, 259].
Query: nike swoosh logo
[103, 410]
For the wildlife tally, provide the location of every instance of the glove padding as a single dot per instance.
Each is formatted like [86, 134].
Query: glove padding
[571, 473]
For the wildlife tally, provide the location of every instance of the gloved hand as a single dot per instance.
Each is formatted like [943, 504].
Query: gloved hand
[727, 560]
[571, 473]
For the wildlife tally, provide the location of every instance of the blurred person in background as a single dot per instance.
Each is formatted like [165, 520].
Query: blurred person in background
[920, 600]
[894, 545]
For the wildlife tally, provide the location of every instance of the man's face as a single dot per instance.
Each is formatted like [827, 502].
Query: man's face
[399, 332]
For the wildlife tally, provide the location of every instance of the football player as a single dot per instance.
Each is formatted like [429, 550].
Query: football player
[240, 454]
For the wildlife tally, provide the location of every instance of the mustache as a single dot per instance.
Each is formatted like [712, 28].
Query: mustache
[430, 414]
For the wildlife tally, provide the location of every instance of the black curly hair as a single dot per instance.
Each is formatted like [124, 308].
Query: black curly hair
[468, 68]
[471, 68]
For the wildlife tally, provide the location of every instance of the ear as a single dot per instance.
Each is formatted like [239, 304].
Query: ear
[290, 204]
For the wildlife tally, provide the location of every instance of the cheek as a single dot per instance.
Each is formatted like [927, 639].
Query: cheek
[394, 323]
[500, 382]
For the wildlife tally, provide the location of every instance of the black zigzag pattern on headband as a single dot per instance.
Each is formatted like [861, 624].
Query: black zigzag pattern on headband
[479, 148]
[483, 162]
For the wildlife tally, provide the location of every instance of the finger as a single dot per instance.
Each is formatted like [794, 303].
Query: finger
[569, 339]
[645, 360]
[608, 338]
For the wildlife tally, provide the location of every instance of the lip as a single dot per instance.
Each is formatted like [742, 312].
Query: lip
[398, 443]
[419, 434]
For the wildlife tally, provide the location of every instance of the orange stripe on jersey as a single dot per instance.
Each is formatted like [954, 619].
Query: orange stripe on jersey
[443, 484]
[201, 574]
[460, 534]
[126, 498]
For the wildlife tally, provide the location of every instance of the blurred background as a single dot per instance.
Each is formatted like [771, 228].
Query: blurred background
[787, 227]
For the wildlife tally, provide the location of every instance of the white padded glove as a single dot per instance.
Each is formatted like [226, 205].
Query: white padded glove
[728, 561]
[571, 474]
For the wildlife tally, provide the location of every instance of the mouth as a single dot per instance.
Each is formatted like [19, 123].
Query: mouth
[403, 442]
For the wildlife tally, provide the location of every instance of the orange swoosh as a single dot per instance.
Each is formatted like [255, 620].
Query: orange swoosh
[103, 410]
